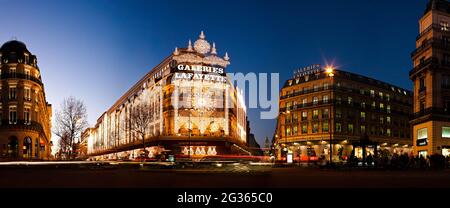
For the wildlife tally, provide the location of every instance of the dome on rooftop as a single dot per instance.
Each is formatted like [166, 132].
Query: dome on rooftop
[14, 46]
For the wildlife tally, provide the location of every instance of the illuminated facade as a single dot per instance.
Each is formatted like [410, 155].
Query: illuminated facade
[431, 77]
[25, 115]
[192, 107]
[360, 114]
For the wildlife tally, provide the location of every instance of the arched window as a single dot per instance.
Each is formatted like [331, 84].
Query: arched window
[27, 147]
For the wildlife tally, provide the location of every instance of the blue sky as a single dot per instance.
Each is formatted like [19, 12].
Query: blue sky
[96, 50]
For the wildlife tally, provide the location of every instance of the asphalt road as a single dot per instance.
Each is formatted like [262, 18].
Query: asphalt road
[236, 177]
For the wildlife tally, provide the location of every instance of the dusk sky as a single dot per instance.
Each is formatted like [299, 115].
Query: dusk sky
[96, 50]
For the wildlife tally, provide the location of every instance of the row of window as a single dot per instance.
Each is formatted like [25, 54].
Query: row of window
[293, 117]
[304, 115]
[315, 101]
[13, 72]
[325, 99]
[350, 128]
[12, 93]
[362, 91]
[445, 82]
[25, 60]
[12, 119]
[423, 133]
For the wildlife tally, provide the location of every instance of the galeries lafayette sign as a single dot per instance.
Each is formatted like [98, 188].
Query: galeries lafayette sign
[312, 69]
[200, 72]
[200, 68]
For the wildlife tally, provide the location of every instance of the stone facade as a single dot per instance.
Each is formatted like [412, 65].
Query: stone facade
[25, 130]
[431, 78]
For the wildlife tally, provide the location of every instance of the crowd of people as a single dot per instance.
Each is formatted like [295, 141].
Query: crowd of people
[401, 161]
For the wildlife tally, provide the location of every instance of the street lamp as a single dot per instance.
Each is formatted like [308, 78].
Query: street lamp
[329, 70]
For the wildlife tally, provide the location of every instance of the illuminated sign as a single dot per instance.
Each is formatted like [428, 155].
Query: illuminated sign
[289, 158]
[200, 68]
[422, 142]
[313, 69]
[200, 72]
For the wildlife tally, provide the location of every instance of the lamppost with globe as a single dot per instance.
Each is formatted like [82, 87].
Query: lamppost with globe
[329, 70]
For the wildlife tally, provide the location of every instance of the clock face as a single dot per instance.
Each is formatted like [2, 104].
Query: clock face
[202, 46]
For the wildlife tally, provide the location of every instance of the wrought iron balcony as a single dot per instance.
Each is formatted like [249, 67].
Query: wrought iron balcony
[31, 125]
[433, 26]
[435, 43]
[20, 76]
[432, 111]
[433, 62]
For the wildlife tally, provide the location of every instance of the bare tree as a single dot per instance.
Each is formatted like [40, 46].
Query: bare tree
[140, 121]
[71, 120]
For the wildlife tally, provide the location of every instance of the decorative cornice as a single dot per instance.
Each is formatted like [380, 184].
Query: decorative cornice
[209, 60]
[201, 53]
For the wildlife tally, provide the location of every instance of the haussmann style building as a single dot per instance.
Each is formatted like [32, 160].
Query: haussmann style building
[431, 78]
[25, 115]
[361, 115]
[195, 111]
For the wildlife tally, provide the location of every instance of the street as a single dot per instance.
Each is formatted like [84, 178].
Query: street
[238, 176]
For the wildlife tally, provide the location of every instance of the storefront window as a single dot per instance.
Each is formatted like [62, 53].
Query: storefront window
[422, 133]
[423, 153]
[359, 151]
[445, 132]
[445, 152]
